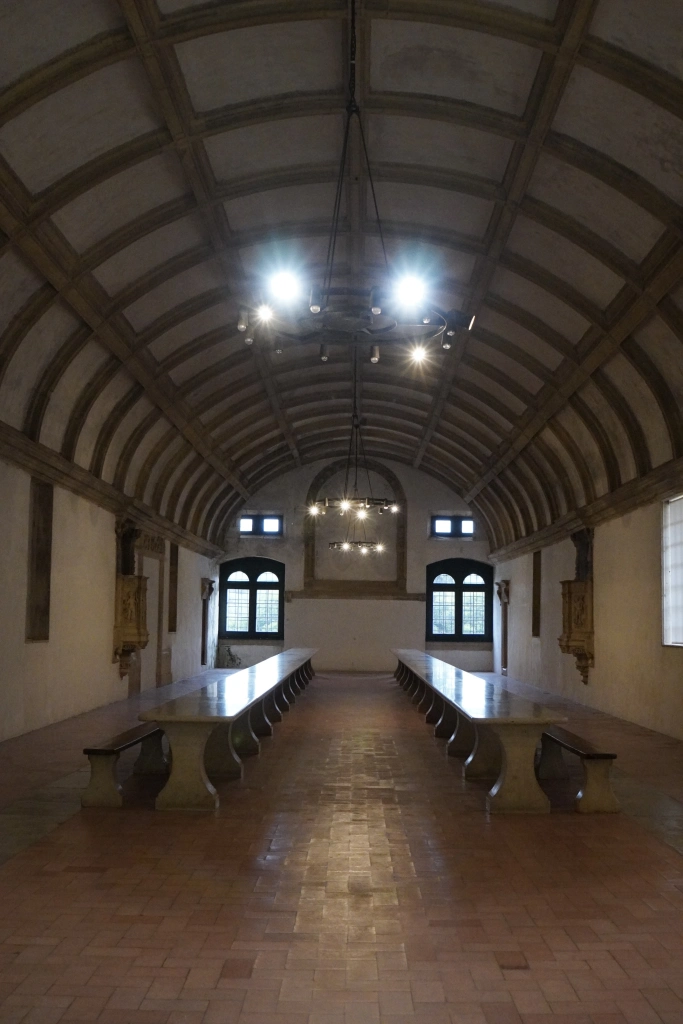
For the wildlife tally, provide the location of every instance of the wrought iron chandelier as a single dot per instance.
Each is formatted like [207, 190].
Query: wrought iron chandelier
[351, 505]
[398, 311]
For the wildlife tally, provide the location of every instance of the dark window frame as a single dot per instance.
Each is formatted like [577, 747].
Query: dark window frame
[258, 530]
[456, 528]
[253, 567]
[459, 568]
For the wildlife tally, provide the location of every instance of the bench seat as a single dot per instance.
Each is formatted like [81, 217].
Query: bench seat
[596, 794]
[103, 790]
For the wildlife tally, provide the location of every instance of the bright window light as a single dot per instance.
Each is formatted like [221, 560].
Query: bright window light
[672, 566]
[443, 526]
[246, 525]
[467, 526]
[271, 525]
[410, 291]
[285, 286]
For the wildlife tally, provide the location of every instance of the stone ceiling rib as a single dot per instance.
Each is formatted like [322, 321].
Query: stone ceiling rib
[522, 165]
[159, 389]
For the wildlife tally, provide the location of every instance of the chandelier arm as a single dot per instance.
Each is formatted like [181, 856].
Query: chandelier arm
[332, 241]
[372, 188]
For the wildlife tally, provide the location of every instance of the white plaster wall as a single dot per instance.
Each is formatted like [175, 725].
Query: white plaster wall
[43, 682]
[72, 672]
[357, 634]
[635, 677]
[185, 643]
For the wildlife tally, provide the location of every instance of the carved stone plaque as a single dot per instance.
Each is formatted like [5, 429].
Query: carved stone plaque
[577, 623]
[130, 622]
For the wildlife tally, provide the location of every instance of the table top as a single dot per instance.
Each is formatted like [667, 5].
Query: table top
[481, 700]
[228, 698]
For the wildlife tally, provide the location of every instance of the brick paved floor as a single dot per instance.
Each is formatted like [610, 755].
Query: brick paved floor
[352, 878]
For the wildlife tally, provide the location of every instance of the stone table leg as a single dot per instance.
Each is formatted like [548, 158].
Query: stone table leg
[103, 790]
[270, 708]
[220, 759]
[485, 760]
[295, 684]
[151, 760]
[552, 764]
[259, 721]
[244, 742]
[436, 710]
[418, 693]
[445, 727]
[188, 785]
[516, 789]
[427, 701]
[596, 794]
[280, 698]
[461, 743]
[288, 691]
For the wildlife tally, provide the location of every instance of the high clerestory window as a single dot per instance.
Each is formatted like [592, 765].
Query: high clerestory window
[251, 602]
[672, 571]
[459, 600]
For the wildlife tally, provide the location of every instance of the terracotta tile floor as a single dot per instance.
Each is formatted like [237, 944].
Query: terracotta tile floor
[352, 878]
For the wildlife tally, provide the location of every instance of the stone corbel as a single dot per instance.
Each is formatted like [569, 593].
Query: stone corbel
[578, 634]
[207, 588]
[503, 591]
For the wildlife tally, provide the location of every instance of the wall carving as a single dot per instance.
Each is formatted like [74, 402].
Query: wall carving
[578, 635]
[130, 607]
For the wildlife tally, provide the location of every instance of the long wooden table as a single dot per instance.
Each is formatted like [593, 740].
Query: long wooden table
[495, 730]
[209, 729]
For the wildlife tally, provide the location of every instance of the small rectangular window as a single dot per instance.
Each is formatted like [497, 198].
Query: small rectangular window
[452, 526]
[672, 571]
[536, 595]
[259, 526]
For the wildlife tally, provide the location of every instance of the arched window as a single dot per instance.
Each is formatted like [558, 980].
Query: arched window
[459, 600]
[251, 603]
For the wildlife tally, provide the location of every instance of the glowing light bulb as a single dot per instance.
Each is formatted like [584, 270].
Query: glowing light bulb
[264, 313]
[417, 355]
[409, 291]
[363, 551]
[345, 546]
[345, 505]
[394, 508]
[314, 510]
[361, 513]
[285, 286]
[380, 547]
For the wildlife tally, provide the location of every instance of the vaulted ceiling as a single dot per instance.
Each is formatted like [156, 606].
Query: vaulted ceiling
[156, 158]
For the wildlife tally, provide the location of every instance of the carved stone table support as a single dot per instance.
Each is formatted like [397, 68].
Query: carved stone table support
[436, 710]
[260, 722]
[244, 742]
[461, 743]
[103, 789]
[447, 724]
[188, 785]
[484, 761]
[516, 789]
[220, 758]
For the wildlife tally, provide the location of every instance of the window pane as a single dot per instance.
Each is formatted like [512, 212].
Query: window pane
[240, 577]
[246, 525]
[444, 578]
[473, 578]
[672, 563]
[443, 613]
[267, 607]
[267, 577]
[467, 526]
[271, 525]
[443, 526]
[237, 611]
[473, 613]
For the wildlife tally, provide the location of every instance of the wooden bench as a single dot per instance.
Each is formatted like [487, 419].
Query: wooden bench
[596, 794]
[495, 730]
[103, 789]
[213, 728]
